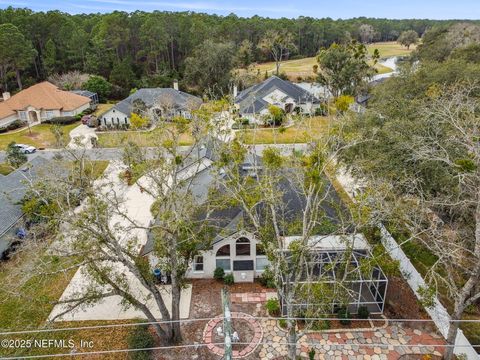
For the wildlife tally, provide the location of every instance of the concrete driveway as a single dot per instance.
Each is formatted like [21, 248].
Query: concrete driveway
[81, 137]
[137, 205]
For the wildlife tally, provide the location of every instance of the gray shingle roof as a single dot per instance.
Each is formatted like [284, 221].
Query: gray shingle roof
[181, 100]
[85, 93]
[251, 100]
[12, 190]
[229, 220]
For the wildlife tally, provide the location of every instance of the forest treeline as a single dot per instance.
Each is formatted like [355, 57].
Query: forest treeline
[150, 49]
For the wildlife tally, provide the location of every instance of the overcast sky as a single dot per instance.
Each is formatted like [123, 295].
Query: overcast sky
[396, 9]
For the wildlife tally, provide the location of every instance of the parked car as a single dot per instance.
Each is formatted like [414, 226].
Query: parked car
[26, 149]
[89, 120]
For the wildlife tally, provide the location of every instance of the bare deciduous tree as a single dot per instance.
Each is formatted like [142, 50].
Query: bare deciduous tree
[450, 220]
[432, 187]
[366, 33]
[265, 195]
[278, 44]
[69, 81]
[103, 238]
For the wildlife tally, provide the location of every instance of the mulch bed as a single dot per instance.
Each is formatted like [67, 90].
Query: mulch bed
[254, 287]
[206, 303]
[401, 303]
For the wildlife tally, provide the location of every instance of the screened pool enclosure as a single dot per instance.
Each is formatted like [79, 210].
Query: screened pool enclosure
[334, 279]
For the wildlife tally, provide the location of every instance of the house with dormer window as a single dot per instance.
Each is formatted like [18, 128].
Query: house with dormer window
[163, 103]
[253, 102]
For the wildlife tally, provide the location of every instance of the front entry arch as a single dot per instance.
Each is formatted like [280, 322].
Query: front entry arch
[33, 116]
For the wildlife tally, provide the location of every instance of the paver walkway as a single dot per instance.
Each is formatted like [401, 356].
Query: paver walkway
[252, 297]
[386, 343]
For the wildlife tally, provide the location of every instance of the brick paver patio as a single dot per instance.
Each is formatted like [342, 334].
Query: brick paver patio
[387, 343]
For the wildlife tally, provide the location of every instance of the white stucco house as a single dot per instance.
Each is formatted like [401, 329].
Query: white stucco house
[235, 248]
[253, 102]
[162, 102]
[239, 254]
[40, 102]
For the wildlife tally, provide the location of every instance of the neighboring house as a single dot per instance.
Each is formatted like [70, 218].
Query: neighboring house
[360, 104]
[91, 95]
[12, 190]
[40, 102]
[253, 102]
[319, 91]
[163, 102]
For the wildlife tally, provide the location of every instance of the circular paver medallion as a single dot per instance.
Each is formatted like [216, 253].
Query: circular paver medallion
[254, 329]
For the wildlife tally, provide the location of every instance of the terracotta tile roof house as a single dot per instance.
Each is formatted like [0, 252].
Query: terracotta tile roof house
[41, 102]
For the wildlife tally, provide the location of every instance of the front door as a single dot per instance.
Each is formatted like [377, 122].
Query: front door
[33, 116]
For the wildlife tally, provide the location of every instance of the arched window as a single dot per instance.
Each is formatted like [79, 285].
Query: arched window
[242, 246]
[223, 258]
[224, 251]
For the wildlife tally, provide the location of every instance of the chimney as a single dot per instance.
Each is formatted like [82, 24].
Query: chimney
[235, 91]
[175, 84]
[6, 95]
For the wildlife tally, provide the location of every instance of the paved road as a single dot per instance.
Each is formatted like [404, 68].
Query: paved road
[116, 153]
[94, 154]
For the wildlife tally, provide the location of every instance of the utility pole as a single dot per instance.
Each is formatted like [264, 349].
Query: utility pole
[227, 324]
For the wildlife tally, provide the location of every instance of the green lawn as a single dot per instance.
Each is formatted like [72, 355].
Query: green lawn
[472, 330]
[101, 108]
[303, 130]
[5, 169]
[27, 306]
[304, 67]
[98, 167]
[141, 138]
[40, 136]
[389, 49]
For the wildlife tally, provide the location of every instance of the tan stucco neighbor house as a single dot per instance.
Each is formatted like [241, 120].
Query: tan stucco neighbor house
[41, 102]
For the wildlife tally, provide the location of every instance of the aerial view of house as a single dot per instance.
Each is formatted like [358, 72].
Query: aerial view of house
[41, 102]
[255, 180]
[164, 102]
[254, 101]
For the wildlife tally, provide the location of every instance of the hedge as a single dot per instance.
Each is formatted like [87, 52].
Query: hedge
[140, 338]
[12, 126]
[62, 120]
